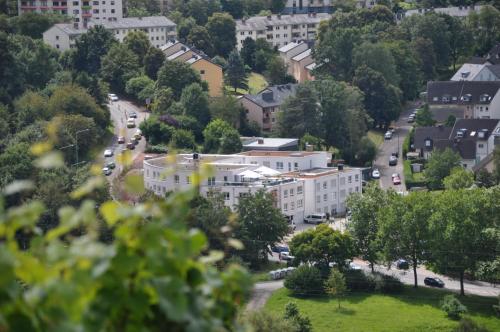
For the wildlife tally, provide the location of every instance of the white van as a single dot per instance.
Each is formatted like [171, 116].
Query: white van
[316, 218]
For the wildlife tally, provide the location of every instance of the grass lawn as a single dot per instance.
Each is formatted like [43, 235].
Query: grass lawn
[256, 83]
[411, 311]
[377, 137]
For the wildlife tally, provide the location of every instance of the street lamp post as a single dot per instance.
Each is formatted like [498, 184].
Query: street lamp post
[76, 142]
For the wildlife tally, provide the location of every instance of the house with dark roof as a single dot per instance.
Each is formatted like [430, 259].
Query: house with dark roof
[472, 139]
[478, 99]
[263, 107]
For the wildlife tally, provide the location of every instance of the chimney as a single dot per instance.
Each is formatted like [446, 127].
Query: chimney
[243, 20]
[196, 156]
[314, 14]
[260, 141]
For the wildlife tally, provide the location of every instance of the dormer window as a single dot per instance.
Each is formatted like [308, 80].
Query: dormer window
[428, 143]
[467, 97]
[484, 98]
[445, 99]
[465, 74]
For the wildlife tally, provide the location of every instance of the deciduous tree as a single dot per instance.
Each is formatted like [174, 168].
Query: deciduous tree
[222, 28]
[177, 75]
[439, 166]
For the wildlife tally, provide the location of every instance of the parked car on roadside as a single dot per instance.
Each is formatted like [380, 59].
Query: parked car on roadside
[130, 145]
[396, 180]
[393, 161]
[132, 115]
[434, 282]
[108, 153]
[376, 174]
[112, 97]
[285, 255]
[315, 218]
[106, 171]
[280, 248]
[121, 140]
[402, 264]
[130, 123]
[388, 135]
[110, 165]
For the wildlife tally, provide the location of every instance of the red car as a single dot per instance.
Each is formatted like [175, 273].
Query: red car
[396, 180]
[121, 140]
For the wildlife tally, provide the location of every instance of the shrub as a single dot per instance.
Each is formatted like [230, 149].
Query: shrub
[300, 323]
[452, 306]
[357, 280]
[157, 149]
[263, 321]
[468, 325]
[388, 284]
[305, 280]
[183, 139]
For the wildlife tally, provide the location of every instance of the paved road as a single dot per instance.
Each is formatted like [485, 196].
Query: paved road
[471, 287]
[390, 146]
[120, 111]
[261, 293]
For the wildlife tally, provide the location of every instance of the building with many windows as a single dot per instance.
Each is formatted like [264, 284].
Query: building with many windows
[294, 179]
[279, 30]
[82, 12]
[159, 30]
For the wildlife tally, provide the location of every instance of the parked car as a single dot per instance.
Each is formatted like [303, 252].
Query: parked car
[411, 119]
[388, 135]
[285, 255]
[316, 218]
[121, 140]
[148, 156]
[138, 135]
[108, 153]
[434, 282]
[354, 266]
[402, 264]
[396, 180]
[130, 123]
[393, 161]
[132, 115]
[376, 174]
[110, 165]
[113, 97]
[134, 140]
[130, 145]
[106, 171]
[280, 248]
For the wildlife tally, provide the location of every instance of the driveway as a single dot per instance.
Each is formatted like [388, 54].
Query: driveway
[395, 144]
[120, 111]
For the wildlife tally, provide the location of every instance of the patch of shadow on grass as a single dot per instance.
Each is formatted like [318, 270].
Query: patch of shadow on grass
[345, 311]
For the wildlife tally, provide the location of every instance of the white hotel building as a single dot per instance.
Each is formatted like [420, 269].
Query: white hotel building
[300, 182]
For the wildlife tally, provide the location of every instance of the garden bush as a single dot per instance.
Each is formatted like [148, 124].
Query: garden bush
[156, 149]
[387, 284]
[305, 280]
[357, 280]
[453, 307]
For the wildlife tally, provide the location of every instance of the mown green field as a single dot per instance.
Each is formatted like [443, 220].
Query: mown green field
[411, 311]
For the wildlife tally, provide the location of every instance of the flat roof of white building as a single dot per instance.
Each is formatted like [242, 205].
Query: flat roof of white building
[261, 22]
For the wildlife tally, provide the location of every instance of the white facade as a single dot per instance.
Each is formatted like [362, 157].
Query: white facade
[475, 72]
[327, 189]
[459, 11]
[279, 30]
[81, 11]
[233, 176]
[159, 29]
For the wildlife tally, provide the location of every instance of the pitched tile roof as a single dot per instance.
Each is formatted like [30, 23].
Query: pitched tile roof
[273, 95]
[434, 133]
[461, 92]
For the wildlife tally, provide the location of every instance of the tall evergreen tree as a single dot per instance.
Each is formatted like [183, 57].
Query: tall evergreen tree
[236, 75]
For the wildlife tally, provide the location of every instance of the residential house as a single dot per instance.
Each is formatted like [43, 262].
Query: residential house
[270, 144]
[456, 11]
[478, 99]
[242, 174]
[308, 6]
[81, 12]
[298, 59]
[279, 30]
[199, 61]
[301, 66]
[477, 72]
[263, 108]
[472, 139]
[159, 29]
